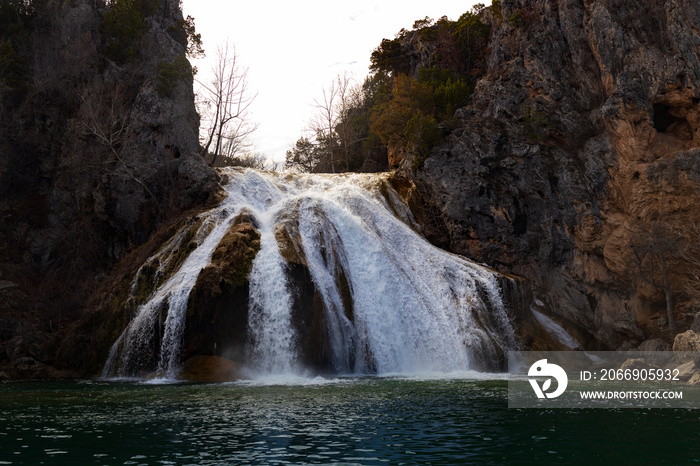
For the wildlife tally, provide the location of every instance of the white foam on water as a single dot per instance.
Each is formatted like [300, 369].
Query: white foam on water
[467, 375]
[293, 380]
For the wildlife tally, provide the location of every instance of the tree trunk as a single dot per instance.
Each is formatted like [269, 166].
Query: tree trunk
[669, 299]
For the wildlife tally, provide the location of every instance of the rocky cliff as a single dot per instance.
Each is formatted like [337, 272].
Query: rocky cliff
[576, 163]
[98, 144]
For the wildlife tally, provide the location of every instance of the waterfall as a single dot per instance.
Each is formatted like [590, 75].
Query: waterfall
[130, 353]
[391, 302]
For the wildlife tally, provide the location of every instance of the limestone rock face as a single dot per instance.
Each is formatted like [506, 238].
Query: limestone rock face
[97, 144]
[94, 157]
[584, 131]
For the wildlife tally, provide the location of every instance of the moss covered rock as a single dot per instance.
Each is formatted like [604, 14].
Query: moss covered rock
[217, 312]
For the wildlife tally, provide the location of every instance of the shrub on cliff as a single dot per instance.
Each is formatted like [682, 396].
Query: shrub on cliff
[419, 79]
[471, 36]
[403, 118]
[170, 74]
[185, 33]
[12, 68]
[411, 102]
[15, 18]
[123, 26]
[450, 90]
[389, 57]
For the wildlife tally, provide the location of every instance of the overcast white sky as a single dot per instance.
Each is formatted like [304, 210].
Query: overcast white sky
[293, 49]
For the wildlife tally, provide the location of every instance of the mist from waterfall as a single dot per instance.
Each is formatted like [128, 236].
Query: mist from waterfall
[392, 302]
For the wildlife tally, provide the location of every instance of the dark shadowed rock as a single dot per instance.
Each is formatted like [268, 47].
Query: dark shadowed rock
[217, 311]
[695, 327]
[94, 158]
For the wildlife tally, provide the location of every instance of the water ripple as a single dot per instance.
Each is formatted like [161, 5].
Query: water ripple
[362, 421]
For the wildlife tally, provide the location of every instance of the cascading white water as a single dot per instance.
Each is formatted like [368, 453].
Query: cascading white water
[415, 307]
[171, 296]
[272, 350]
[393, 303]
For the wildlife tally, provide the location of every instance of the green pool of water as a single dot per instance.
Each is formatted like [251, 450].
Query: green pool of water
[339, 421]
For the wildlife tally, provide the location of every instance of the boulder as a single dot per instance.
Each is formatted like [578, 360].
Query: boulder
[28, 368]
[686, 345]
[637, 363]
[687, 341]
[695, 379]
[654, 344]
[208, 369]
[217, 310]
[686, 371]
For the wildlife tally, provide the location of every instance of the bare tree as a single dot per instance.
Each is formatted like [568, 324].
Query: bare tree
[104, 117]
[656, 253]
[331, 125]
[323, 125]
[247, 159]
[349, 97]
[226, 107]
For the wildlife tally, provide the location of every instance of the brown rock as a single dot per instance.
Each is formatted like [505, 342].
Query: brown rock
[289, 241]
[695, 327]
[395, 156]
[27, 368]
[207, 369]
[686, 371]
[695, 379]
[218, 304]
[637, 363]
[686, 345]
[687, 341]
[655, 344]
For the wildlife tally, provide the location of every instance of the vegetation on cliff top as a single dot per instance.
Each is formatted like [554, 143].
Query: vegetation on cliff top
[123, 24]
[15, 18]
[405, 106]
